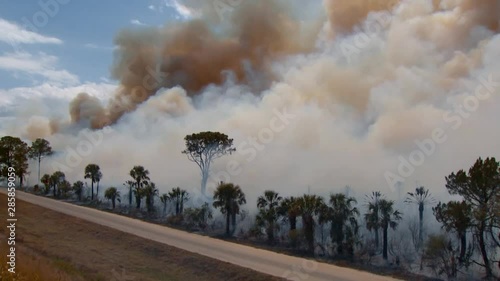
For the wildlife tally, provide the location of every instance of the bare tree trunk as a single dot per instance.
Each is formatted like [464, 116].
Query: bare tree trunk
[421, 224]
[270, 232]
[484, 254]
[39, 160]
[233, 222]
[130, 196]
[293, 222]
[228, 214]
[384, 251]
[463, 247]
[204, 179]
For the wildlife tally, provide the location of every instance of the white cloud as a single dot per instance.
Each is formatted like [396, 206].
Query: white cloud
[97, 47]
[137, 22]
[24, 107]
[15, 34]
[182, 10]
[41, 64]
[91, 46]
[20, 95]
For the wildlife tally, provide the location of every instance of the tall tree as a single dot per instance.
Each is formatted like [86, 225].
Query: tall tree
[457, 217]
[141, 178]
[372, 217]
[78, 189]
[14, 153]
[179, 196]
[389, 217]
[268, 205]
[420, 197]
[479, 187]
[203, 148]
[310, 206]
[343, 217]
[113, 195]
[39, 149]
[226, 197]
[93, 172]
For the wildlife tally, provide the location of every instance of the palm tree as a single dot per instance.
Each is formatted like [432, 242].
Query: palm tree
[372, 218]
[46, 182]
[227, 197]
[268, 205]
[179, 196]
[131, 185]
[289, 209]
[78, 189]
[342, 216]
[310, 206]
[164, 198]
[388, 218]
[112, 194]
[141, 178]
[55, 179]
[92, 172]
[63, 188]
[139, 194]
[150, 191]
[420, 197]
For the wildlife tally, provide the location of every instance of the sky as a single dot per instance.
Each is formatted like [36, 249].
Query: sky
[71, 42]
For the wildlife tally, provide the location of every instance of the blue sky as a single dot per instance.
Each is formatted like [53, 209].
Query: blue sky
[73, 44]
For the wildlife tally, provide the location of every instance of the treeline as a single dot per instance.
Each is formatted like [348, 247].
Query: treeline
[470, 235]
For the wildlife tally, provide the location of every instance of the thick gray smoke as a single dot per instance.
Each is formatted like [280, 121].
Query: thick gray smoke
[379, 90]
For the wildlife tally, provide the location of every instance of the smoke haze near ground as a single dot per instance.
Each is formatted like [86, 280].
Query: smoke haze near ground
[367, 83]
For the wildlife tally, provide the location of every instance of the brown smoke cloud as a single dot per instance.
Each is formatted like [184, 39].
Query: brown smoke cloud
[258, 33]
[86, 107]
[192, 56]
[344, 15]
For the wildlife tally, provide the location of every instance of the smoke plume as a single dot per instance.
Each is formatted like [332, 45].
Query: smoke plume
[343, 104]
[193, 56]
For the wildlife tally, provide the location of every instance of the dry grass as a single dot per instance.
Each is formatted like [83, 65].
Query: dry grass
[52, 246]
[31, 267]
